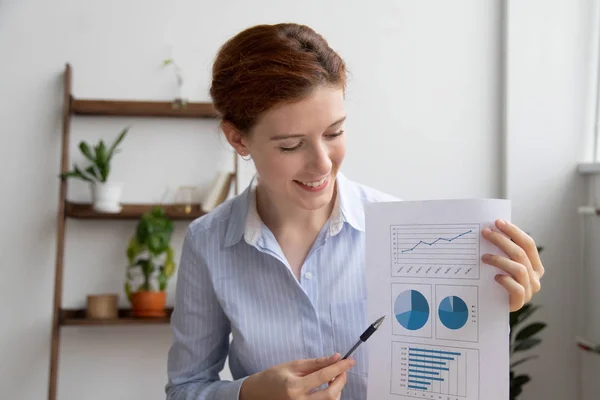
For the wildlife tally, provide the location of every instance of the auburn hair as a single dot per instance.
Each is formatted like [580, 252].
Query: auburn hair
[266, 65]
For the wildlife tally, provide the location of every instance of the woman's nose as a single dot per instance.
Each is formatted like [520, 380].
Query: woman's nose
[320, 162]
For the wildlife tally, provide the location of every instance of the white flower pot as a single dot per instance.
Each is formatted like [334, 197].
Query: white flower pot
[107, 196]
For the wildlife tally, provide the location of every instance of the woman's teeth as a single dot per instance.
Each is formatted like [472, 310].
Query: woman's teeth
[314, 184]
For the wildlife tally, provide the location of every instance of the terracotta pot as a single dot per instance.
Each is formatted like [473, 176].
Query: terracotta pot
[148, 304]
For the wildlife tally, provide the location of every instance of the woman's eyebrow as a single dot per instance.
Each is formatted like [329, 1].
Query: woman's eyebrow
[297, 135]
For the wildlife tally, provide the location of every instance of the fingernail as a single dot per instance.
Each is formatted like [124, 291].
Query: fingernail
[486, 231]
[501, 222]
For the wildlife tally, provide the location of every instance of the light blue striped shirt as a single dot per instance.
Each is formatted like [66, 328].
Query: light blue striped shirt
[234, 280]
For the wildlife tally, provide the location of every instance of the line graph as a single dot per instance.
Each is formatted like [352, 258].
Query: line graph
[437, 240]
[435, 250]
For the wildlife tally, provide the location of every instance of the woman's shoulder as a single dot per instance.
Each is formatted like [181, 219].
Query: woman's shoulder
[213, 221]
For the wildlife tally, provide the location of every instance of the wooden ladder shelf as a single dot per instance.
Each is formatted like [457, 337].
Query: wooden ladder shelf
[67, 209]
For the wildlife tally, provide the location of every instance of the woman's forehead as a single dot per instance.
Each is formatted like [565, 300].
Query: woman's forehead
[315, 113]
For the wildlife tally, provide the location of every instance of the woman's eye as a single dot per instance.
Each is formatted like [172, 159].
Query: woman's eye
[296, 147]
[334, 135]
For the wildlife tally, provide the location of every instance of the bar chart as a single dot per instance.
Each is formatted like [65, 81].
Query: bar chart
[434, 372]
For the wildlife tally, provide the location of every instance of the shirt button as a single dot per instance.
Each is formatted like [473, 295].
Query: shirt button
[308, 275]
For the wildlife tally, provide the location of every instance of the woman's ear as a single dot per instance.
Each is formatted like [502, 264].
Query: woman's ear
[236, 139]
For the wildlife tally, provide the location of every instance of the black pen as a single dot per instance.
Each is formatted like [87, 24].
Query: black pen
[366, 334]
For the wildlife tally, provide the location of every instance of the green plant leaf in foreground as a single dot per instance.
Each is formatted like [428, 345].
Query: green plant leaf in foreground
[522, 360]
[530, 330]
[527, 344]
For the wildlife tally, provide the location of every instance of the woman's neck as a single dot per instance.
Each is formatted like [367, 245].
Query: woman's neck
[281, 217]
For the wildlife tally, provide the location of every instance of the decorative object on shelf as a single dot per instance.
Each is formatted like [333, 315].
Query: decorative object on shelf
[185, 196]
[151, 264]
[219, 191]
[102, 306]
[181, 101]
[106, 194]
[521, 341]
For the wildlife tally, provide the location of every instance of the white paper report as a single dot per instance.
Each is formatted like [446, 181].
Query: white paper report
[446, 331]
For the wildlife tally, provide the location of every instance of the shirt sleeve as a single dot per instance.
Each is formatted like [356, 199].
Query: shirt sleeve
[200, 332]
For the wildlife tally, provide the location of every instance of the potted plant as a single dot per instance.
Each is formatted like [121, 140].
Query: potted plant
[181, 101]
[106, 194]
[520, 341]
[151, 264]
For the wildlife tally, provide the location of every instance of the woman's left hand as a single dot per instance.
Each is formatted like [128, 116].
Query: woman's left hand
[523, 263]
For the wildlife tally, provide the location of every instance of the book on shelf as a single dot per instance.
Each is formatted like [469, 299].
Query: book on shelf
[219, 191]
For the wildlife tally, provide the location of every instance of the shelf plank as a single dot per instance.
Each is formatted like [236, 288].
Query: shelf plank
[133, 211]
[77, 317]
[141, 108]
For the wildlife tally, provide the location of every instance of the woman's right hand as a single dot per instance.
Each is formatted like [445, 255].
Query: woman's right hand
[297, 380]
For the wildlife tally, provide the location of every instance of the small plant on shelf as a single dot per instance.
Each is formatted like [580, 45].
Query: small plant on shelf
[106, 194]
[181, 101]
[151, 264]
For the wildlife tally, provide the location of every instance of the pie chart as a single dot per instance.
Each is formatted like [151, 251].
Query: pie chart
[411, 309]
[453, 312]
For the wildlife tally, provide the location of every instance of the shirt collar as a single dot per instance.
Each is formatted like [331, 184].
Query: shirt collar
[244, 221]
[351, 207]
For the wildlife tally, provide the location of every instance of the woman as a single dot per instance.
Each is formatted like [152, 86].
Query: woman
[280, 267]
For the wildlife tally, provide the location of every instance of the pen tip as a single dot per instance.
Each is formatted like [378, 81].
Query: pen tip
[378, 323]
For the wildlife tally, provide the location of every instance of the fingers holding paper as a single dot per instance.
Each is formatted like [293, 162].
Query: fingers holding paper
[522, 262]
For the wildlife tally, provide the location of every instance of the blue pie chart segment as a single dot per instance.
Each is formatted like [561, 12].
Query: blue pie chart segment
[453, 312]
[411, 309]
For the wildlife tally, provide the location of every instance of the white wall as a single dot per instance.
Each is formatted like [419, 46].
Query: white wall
[424, 110]
[551, 82]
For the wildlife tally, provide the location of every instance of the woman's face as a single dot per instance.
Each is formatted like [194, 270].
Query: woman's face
[298, 149]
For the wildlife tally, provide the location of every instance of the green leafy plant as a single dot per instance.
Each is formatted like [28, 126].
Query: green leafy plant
[149, 252]
[100, 157]
[522, 339]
